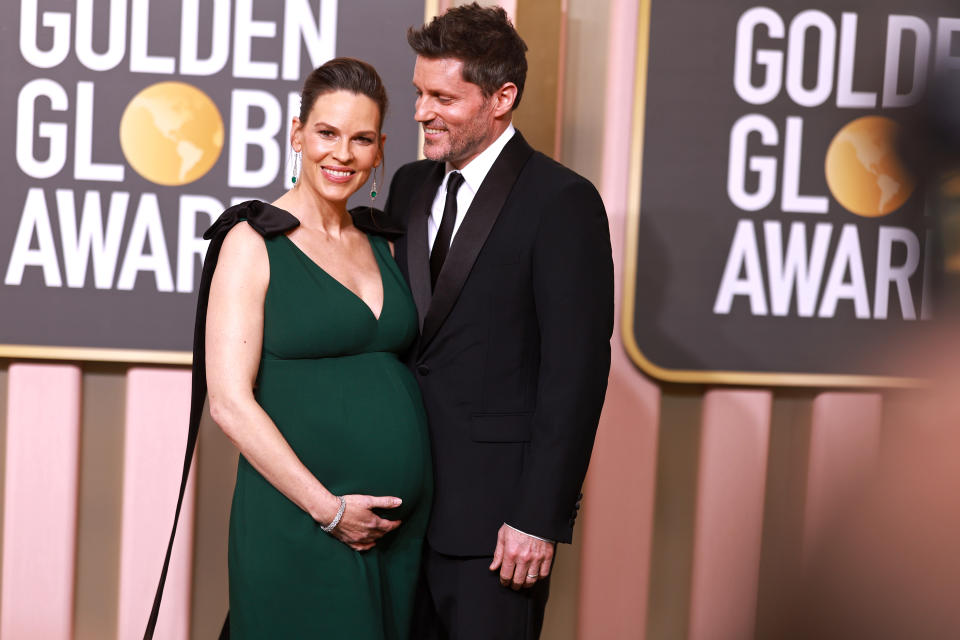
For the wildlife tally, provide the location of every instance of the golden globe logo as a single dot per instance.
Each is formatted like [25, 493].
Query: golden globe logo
[863, 170]
[171, 133]
[814, 266]
[84, 223]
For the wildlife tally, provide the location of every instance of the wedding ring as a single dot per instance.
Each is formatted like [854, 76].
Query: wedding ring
[533, 575]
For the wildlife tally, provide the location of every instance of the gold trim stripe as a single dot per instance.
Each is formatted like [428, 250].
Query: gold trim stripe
[133, 356]
[630, 268]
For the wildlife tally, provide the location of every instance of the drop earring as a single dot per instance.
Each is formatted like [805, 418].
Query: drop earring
[374, 191]
[296, 167]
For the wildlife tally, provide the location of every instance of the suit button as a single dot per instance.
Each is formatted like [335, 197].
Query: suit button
[423, 370]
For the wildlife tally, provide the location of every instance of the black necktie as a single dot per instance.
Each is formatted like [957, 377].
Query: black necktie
[441, 244]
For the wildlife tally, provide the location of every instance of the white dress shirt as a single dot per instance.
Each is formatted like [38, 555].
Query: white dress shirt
[473, 175]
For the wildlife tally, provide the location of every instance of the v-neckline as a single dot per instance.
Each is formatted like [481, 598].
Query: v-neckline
[354, 294]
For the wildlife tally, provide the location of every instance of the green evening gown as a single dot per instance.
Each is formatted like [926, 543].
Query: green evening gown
[331, 379]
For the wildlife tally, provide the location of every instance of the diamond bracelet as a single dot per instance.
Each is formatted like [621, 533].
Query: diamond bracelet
[336, 519]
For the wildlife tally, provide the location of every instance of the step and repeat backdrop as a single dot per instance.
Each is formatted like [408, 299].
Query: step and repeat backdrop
[130, 126]
[780, 235]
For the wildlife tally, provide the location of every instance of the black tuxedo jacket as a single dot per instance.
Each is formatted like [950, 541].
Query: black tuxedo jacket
[514, 348]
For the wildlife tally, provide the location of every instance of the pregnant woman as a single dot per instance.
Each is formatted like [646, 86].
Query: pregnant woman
[306, 319]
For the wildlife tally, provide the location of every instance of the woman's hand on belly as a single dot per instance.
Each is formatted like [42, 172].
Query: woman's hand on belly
[360, 527]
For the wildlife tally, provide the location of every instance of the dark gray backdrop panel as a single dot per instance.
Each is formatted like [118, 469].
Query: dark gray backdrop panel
[33, 314]
[687, 220]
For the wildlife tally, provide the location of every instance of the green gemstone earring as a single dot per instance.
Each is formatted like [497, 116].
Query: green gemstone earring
[296, 167]
[373, 191]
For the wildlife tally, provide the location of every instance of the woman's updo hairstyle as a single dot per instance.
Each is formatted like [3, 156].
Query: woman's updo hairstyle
[343, 74]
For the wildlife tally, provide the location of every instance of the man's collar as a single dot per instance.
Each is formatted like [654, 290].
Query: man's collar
[476, 170]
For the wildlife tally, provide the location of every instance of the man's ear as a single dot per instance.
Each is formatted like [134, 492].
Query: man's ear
[504, 97]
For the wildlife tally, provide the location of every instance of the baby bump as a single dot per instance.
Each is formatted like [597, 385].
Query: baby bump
[356, 422]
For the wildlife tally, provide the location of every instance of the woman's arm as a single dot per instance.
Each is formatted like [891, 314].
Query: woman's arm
[234, 336]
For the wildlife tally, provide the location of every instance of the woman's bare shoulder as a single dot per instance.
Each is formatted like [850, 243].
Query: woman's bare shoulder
[244, 251]
[243, 238]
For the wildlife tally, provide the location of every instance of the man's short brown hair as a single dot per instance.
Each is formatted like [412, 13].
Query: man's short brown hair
[492, 51]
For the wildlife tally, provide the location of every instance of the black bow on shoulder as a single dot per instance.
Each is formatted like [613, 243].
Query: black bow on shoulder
[266, 219]
[375, 222]
[270, 221]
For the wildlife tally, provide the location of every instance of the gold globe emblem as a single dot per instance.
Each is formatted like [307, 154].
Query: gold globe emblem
[171, 133]
[864, 172]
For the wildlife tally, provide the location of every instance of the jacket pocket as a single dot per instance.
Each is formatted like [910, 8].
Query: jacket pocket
[500, 427]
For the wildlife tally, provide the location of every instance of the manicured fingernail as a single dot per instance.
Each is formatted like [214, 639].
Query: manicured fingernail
[397, 501]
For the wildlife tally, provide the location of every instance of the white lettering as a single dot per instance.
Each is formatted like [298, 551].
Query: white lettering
[848, 257]
[35, 220]
[77, 247]
[244, 31]
[116, 43]
[791, 199]
[946, 28]
[793, 271]
[320, 36]
[84, 168]
[140, 60]
[59, 24]
[146, 226]
[770, 59]
[190, 62]
[744, 256]
[811, 19]
[846, 96]
[55, 132]
[243, 136]
[190, 246]
[888, 274]
[764, 166]
[896, 26]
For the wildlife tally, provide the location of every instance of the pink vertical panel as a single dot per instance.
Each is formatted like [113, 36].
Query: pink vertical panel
[158, 409]
[40, 501]
[618, 116]
[844, 446]
[617, 527]
[729, 518]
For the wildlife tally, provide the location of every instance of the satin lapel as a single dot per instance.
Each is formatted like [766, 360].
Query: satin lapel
[473, 232]
[418, 258]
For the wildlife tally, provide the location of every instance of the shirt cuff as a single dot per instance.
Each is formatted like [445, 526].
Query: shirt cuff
[529, 534]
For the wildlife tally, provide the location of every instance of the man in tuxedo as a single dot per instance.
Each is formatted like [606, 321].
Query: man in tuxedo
[507, 254]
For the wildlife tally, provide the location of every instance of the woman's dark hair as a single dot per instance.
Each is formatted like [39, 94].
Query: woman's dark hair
[492, 51]
[343, 74]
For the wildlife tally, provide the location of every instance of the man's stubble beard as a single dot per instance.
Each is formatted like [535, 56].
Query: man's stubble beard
[470, 140]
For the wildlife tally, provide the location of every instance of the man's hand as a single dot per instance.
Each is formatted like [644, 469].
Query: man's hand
[522, 559]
